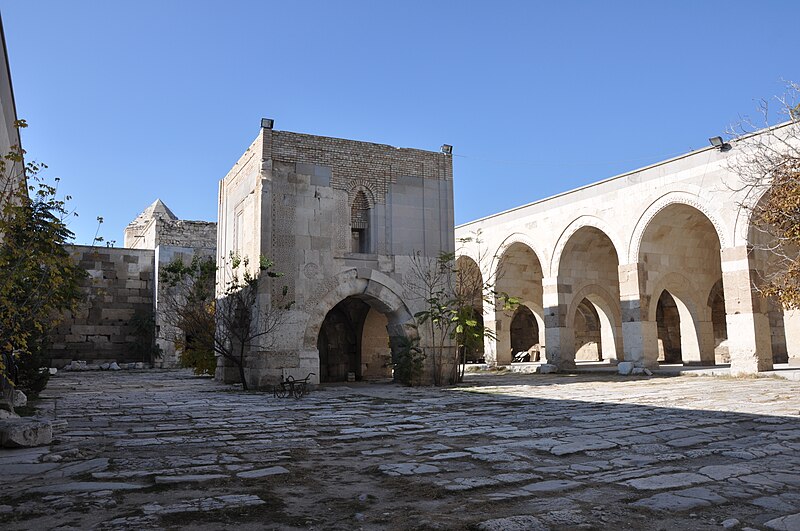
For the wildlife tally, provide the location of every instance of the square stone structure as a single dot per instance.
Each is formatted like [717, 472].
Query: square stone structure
[342, 220]
[170, 239]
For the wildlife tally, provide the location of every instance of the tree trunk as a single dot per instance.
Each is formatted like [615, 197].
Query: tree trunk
[240, 363]
[241, 375]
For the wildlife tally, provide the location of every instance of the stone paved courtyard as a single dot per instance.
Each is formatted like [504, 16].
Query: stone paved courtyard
[164, 449]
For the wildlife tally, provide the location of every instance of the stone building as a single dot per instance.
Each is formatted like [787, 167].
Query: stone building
[120, 319]
[342, 219]
[651, 266]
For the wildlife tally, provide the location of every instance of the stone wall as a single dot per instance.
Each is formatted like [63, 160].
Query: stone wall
[119, 287]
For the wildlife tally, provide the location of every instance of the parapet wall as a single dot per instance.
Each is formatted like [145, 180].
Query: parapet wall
[118, 294]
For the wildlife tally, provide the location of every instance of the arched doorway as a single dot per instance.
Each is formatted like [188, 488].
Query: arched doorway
[680, 252]
[524, 335]
[769, 258]
[716, 304]
[669, 329]
[353, 343]
[353, 329]
[588, 268]
[470, 291]
[519, 275]
[588, 341]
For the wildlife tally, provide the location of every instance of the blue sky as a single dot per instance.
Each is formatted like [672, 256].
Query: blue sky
[131, 101]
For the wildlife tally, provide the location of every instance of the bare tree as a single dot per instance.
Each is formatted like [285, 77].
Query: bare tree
[235, 322]
[767, 162]
[454, 292]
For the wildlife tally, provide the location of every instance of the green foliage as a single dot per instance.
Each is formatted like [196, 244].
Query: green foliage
[409, 361]
[32, 375]
[193, 303]
[40, 281]
[203, 362]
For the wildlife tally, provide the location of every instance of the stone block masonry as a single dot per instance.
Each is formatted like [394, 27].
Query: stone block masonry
[118, 290]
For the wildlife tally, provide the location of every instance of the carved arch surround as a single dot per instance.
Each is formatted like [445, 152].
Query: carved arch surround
[576, 225]
[610, 305]
[508, 241]
[361, 185]
[679, 287]
[702, 205]
[382, 294]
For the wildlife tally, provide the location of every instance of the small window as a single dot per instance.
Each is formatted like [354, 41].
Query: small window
[359, 224]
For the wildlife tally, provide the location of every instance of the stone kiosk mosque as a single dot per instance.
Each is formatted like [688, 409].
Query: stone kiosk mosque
[652, 266]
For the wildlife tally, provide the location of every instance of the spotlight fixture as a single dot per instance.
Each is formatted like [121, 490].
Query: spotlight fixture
[720, 144]
[267, 123]
[447, 149]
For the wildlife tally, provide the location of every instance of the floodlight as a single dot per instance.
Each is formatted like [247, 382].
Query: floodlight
[720, 144]
[267, 123]
[447, 149]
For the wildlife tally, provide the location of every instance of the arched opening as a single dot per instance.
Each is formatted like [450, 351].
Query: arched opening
[519, 275]
[669, 329]
[588, 270]
[469, 290]
[716, 304]
[680, 252]
[359, 224]
[524, 335]
[768, 259]
[353, 343]
[588, 341]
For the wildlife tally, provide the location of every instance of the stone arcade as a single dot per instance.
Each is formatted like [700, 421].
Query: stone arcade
[342, 220]
[655, 265]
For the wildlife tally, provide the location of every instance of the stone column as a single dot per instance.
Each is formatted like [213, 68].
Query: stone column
[639, 333]
[749, 339]
[502, 331]
[489, 344]
[791, 326]
[705, 338]
[559, 340]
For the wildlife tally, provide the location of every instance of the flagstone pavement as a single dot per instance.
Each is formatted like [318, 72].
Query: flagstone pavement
[167, 450]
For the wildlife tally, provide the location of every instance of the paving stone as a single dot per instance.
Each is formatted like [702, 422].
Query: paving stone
[582, 444]
[86, 486]
[513, 523]
[773, 503]
[553, 485]
[408, 469]
[681, 500]
[263, 472]
[719, 472]
[785, 523]
[667, 481]
[188, 478]
[213, 503]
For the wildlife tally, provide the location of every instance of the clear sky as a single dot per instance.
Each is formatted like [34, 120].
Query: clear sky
[137, 100]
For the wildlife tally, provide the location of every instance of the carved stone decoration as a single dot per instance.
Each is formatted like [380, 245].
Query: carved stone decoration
[311, 270]
[342, 224]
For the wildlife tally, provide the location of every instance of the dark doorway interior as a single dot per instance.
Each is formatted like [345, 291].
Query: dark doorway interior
[669, 329]
[524, 334]
[339, 341]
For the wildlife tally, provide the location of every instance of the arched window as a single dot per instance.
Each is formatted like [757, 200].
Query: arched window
[359, 223]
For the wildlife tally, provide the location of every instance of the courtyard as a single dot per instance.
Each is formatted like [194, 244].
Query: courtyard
[164, 449]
